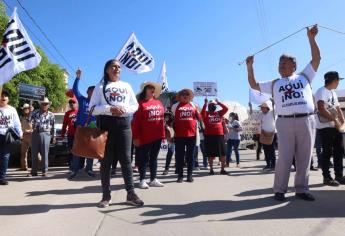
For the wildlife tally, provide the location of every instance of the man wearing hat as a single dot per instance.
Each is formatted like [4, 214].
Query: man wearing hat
[330, 118]
[43, 123]
[27, 134]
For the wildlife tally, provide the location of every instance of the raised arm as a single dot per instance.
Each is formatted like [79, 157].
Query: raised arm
[315, 51]
[224, 108]
[76, 85]
[251, 78]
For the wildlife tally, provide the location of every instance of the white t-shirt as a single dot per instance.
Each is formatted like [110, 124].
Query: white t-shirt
[9, 118]
[330, 99]
[268, 122]
[292, 95]
[117, 93]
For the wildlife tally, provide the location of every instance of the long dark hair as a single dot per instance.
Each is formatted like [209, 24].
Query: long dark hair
[234, 115]
[142, 95]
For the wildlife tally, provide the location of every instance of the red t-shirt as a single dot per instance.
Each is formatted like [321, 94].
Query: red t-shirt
[148, 122]
[213, 120]
[68, 123]
[185, 115]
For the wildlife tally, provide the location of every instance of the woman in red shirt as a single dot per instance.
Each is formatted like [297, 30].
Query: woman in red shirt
[185, 116]
[214, 133]
[148, 131]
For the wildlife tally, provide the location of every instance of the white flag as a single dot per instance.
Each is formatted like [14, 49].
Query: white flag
[257, 97]
[17, 52]
[163, 80]
[134, 57]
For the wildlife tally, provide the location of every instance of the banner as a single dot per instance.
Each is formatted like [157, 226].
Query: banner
[17, 52]
[256, 97]
[31, 92]
[163, 80]
[205, 88]
[134, 56]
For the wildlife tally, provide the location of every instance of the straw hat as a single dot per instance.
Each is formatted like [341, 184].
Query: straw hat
[158, 88]
[185, 90]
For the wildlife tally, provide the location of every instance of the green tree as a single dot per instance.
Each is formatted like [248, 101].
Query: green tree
[49, 75]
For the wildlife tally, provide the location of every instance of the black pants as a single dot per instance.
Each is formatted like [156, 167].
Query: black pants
[270, 153]
[118, 147]
[331, 141]
[148, 154]
[258, 149]
[184, 148]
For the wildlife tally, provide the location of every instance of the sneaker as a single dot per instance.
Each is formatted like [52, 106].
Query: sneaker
[165, 172]
[224, 172]
[113, 173]
[196, 168]
[44, 174]
[104, 203]
[135, 169]
[330, 182]
[341, 180]
[190, 179]
[280, 197]
[156, 183]
[305, 196]
[266, 168]
[3, 182]
[238, 165]
[90, 174]
[133, 199]
[143, 184]
[211, 172]
[206, 167]
[72, 175]
[179, 180]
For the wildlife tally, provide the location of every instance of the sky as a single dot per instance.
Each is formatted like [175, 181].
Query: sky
[200, 40]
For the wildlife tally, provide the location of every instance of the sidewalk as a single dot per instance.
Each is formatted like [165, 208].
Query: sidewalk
[239, 204]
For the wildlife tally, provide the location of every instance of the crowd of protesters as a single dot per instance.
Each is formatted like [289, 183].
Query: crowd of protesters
[139, 124]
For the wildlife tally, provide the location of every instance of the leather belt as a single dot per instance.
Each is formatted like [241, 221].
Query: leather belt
[297, 115]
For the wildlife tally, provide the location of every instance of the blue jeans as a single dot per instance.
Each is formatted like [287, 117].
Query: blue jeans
[148, 155]
[202, 149]
[4, 157]
[170, 153]
[233, 144]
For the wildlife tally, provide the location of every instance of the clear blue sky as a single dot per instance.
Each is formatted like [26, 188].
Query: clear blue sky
[201, 40]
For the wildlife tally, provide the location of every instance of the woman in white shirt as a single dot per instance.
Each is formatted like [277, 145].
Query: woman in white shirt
[114, 103]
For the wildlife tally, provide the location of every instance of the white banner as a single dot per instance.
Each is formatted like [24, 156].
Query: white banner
[256, 97]
[17, 52]
[205, 88]
[163, 80]
[134, 56]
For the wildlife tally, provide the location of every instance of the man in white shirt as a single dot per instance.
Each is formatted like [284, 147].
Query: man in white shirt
[294, 105]
[330, 118]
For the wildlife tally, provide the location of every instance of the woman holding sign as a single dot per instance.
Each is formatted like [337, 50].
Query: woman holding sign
[148, 132]
[114, 102]
[214, 133]
[185, 116]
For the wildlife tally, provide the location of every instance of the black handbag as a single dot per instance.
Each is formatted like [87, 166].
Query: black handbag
[11, 137]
